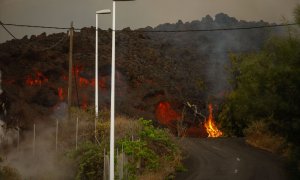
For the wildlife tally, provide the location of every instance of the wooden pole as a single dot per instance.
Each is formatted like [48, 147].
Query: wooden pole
[18, 139]
[76, 133]
[56, 136]
[33, 144]
[95, 130]
[105, 166]
[70, 71]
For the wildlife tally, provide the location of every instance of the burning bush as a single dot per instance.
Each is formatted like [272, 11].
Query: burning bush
[210, 125]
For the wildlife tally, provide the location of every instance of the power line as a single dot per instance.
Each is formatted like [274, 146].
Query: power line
[35, 26]
[217, 29]
[54, 45]
[7, 30]
[166, 31]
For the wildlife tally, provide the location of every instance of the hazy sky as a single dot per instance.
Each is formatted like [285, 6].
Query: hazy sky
[140, 13]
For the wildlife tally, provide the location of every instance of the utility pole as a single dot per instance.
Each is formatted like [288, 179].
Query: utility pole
[71, 32]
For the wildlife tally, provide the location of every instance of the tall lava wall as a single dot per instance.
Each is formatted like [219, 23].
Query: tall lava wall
[152, 68]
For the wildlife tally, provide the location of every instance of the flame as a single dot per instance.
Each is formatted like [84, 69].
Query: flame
[165, 114]
[60, 93]
[37, 80]
[210, 125]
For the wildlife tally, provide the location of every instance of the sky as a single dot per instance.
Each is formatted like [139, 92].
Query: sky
[134, 14]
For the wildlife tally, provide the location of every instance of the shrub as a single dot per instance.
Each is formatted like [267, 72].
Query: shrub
[150, 148]
[154, 151]
[259, 135]
[89, 160]
[9, 173]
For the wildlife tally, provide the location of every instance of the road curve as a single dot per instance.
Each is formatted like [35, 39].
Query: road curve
[228, 159]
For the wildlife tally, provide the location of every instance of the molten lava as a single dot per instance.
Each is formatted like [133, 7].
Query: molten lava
[84, 104]
[76, 70]
[60, 93]
[83, 82]
[165, 114]
[102, 83]
[210, 125]
[37, 80]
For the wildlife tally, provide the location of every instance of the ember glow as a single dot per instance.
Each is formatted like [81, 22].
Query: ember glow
[84, 104]
[165, 114]
[102, 83]
[76, 70]
[210, 125]
[37, 80]
[60, 93]
[83, 82]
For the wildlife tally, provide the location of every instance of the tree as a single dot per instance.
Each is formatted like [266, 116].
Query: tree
[297, 14]
[268, 88]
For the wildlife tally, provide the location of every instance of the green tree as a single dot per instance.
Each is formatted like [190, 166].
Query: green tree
[267, 87]
[297, 13]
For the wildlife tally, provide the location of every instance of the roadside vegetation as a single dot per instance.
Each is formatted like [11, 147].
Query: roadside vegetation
[264, 105]
[8, 173]
[142, 151]
[150, 152]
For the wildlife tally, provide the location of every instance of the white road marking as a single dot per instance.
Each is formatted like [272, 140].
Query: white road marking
[216, 148]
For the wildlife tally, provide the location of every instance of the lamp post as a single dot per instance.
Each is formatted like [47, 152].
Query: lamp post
[104, 11]
[112, 99]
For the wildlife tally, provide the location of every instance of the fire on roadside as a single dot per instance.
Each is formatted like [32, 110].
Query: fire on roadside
[210, 125]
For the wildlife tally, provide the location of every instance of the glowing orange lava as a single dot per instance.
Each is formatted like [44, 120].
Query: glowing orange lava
[83, 82]
[61, 93]
[102, 83]
[64, 77]
[76, 70]
[210, 125]
[37, 80]
[84, 103]
[165, 114]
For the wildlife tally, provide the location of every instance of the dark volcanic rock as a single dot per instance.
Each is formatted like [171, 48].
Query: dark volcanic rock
[45, 97]
[151, 67]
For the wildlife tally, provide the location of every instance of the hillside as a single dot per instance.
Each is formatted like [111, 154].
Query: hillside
[157, 73]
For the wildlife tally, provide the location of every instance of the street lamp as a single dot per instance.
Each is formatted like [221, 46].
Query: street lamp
[112, 99]
[104, 11]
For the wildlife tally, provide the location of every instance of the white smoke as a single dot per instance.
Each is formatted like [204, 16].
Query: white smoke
[7, 135]
[2, 131]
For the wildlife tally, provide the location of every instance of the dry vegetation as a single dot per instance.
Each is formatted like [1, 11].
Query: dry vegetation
[258, 135]
[152, 148]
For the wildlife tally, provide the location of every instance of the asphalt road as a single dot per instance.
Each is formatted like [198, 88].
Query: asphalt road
[228, 159]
